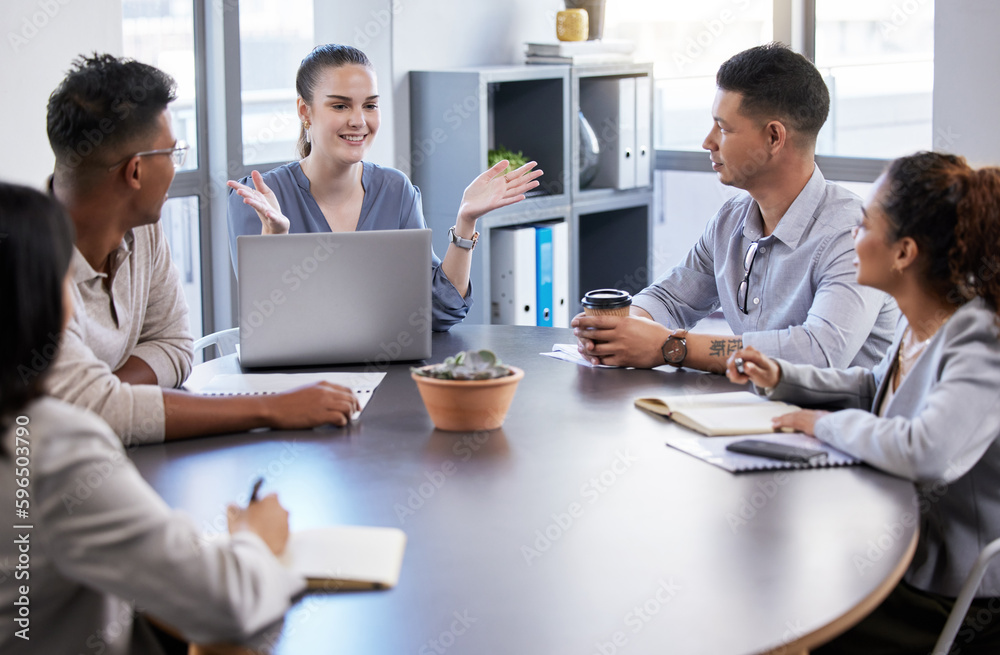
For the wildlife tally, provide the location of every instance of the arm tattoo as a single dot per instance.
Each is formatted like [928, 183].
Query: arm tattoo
[724, 347]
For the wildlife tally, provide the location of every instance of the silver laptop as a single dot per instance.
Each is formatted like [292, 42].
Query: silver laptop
[335, 298]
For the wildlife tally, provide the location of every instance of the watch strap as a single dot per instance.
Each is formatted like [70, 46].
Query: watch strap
[467, 244]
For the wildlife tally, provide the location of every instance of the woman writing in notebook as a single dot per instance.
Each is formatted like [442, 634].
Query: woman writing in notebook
[929, 411]
[332, 188]
[99, 550]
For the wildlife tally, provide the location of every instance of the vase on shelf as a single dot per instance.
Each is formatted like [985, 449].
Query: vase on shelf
[590, 152]
[595, 16]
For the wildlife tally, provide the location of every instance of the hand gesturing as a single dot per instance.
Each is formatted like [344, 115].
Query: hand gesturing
[262, 199]
[493, 189]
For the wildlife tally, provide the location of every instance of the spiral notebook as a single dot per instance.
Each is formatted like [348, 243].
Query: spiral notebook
[363, 384]
[713, 450]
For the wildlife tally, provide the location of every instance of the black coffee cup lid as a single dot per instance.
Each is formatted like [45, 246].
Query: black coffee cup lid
[606, 299]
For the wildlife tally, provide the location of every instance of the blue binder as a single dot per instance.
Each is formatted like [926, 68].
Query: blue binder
[543, 275]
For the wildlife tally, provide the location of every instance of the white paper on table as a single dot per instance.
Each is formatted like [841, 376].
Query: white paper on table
[363, 384]
[568, 353]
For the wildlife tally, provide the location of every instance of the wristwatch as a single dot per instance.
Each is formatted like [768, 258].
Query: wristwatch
[674, 349]
[468, 244]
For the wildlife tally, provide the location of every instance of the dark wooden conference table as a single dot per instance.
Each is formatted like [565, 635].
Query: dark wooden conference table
[571, 530]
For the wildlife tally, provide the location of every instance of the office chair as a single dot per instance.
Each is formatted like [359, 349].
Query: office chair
[224, 341]
[964, 600]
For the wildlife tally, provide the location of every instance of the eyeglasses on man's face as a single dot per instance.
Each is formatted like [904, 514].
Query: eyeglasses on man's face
[178, 154]
[743, 292]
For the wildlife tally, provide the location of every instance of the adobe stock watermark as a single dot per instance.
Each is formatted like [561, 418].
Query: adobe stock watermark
[900, 15]
[269, 133]
[425, 145]
[293, 278]
[381, 20]
[390, 351]
[693, 47]
[764, 491]
[35, 22]
[418, 495]
[590, 492]
[460, 624]
[122, 107]
[275, 469]
[41, 360]
[794, 630]
[90, 480]
[929, 494]
[637, 617]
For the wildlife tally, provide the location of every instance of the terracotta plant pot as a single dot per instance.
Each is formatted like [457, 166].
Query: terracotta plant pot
[468, 405]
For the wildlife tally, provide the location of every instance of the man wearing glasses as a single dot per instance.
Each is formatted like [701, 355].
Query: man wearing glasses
[128, 344]
[778, 259]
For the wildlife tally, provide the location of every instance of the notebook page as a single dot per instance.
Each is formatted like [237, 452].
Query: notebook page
[363, 384]
[348, 553]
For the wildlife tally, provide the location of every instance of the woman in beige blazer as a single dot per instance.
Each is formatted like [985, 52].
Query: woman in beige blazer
[930, 411]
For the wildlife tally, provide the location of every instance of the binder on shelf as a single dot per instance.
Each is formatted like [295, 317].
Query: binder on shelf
[610, 106]
[543, 275]
[560, 274]
[513, 279]
[643, 131]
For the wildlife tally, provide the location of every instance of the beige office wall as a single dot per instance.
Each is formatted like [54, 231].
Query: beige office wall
[40, 39]
[966, 92]
[367, 25]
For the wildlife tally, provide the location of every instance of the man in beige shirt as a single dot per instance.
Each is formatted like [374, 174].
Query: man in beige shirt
[128, 345]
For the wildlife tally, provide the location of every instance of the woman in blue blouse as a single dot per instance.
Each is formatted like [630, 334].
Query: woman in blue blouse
[332, 189]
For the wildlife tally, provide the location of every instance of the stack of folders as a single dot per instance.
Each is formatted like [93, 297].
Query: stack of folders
[529, 280]
[578, 53]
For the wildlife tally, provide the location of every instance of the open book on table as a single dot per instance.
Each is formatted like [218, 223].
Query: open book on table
[342, 557]
[346, 557]
[719, 414]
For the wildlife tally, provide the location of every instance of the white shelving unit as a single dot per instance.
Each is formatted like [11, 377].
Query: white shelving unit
[457, 116]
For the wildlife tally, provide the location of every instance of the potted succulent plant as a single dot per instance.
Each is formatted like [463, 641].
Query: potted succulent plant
[468, 392]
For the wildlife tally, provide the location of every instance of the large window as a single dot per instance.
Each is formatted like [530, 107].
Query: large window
[162, 33]
[878, 60]
[687, 41]
[274, 36]
[877, 57]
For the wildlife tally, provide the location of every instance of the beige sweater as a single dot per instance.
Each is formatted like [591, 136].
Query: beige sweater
[144, 315]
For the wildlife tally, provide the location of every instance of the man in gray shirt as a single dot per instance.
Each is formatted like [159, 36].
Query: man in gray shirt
[778, 260]
[128, 345]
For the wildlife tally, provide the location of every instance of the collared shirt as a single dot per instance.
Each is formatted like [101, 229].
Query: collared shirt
[804, 303]
[143, 314]
[391, 202]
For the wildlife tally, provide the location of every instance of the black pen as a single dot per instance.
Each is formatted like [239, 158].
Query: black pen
[256, 487]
